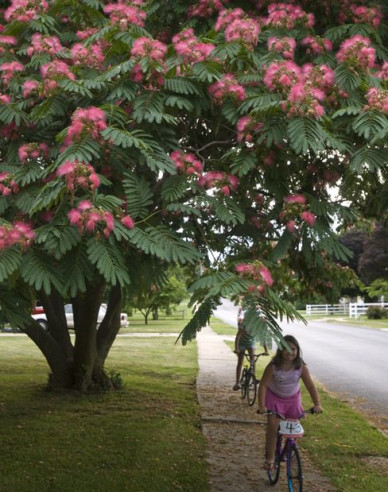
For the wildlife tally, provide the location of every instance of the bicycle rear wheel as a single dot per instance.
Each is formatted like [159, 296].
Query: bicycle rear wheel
[251, 388]
[243, 383]
[273, 475]
[294, 470]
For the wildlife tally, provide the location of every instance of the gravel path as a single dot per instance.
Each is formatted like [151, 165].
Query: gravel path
[235, 434]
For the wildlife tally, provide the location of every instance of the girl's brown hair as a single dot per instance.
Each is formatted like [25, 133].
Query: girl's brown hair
[298, 362]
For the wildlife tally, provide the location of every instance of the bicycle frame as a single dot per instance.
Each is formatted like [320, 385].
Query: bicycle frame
[248, 381]
[288, 453]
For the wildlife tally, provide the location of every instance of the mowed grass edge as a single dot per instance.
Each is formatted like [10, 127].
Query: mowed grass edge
[145, 437]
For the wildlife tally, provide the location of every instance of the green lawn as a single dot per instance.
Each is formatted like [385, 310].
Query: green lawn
[362, 321]
[146, 437]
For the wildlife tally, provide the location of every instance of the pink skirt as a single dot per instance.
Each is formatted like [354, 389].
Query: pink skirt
[287, 408]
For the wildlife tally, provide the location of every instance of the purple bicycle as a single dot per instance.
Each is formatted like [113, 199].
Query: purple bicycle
[287, 451]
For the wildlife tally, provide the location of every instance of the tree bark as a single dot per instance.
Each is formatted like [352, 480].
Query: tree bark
[85, 309]
[108, 329]
[61, 368]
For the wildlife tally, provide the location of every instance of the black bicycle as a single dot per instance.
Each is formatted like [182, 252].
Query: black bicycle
[248, 382]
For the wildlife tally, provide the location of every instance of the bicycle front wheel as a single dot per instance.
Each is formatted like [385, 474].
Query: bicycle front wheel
[243, 383]
[251, 389]
[294, 470]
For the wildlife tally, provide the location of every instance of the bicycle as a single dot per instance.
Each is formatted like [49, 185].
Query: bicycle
[248, 382]
[287, 451]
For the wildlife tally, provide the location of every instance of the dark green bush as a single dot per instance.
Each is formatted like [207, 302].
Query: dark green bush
[376, 312]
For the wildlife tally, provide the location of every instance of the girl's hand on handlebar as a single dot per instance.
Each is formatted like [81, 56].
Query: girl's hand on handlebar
[317, 409]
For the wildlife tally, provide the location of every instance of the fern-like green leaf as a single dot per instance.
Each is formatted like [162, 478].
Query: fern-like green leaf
[370, 123]
[346, 79]
[282, 246]
[181, 85]
[139, 196]
[28, 174]
[273, 132]
[185, 210]
[10, 260]
[157, 159]
[305, 134]
[49, 109]
[348, 111]
[370, 158]
[207, 72]
[85, 150]
[220, 284]
[57, 241]
[174, 187]
[200, 319]
[123, 90]
[12, 113]
[334, 248]
[163, 243]
[109, 262]
[179, 102]
[149, 107]
[78, 271]
[227, 50]
[243, 163]
[228, 211]
[75, 87]
[39, 272]
[126, 139]
[115, 115]
[259, 103]
[335, 34]
[48, 196]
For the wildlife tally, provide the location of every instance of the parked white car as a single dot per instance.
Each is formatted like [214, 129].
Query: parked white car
[41, 318]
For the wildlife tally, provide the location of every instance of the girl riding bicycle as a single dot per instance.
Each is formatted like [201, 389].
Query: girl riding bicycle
[279, 392]
[243, 341]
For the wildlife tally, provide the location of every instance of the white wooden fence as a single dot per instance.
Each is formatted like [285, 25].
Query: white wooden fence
[356, 310]
[352, 309]
[327, 309]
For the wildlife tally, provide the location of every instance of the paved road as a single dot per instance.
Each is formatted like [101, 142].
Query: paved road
[350, 360]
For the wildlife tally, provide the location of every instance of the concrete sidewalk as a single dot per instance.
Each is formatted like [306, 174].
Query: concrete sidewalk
[228, 423]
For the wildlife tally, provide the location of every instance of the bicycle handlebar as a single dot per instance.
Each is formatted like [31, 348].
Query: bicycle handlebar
[271, 412]
[256, 356]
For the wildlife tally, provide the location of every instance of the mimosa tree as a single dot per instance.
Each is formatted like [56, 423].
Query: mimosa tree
[138, 134]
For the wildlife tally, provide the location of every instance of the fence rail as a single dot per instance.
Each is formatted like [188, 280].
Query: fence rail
[327, 309]
[351, 309]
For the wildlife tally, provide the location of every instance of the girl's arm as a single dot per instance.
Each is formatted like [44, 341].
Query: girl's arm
[267, 374]
[311, 388]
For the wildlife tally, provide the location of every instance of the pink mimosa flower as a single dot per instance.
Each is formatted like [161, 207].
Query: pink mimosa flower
[266, 275]
[295, 199]
[128, 222]
[308, 217]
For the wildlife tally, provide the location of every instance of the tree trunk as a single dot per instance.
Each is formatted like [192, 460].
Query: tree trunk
[85, 311]
[81, 366]
[61, 368]
[107, 331]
